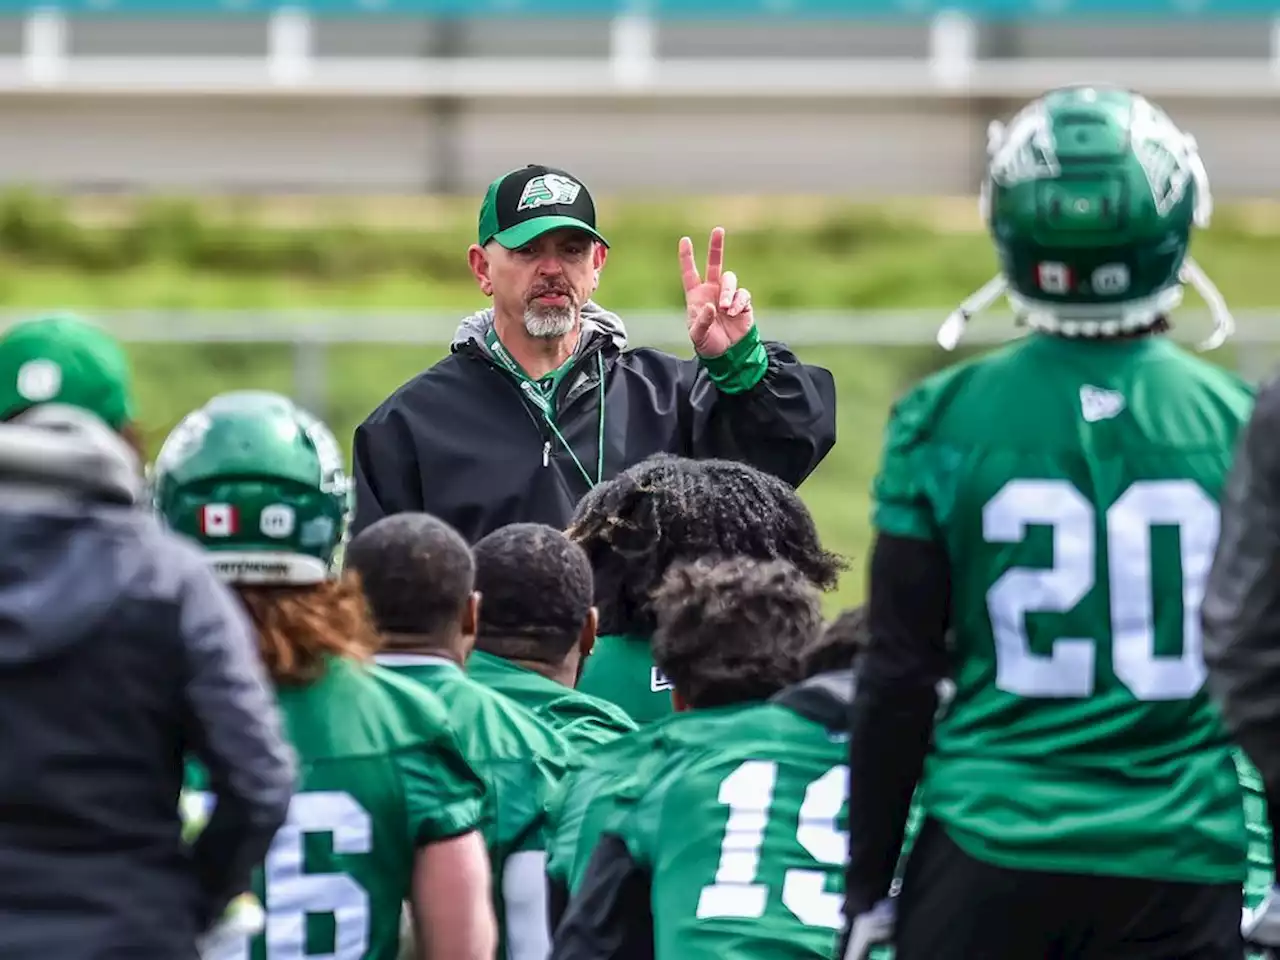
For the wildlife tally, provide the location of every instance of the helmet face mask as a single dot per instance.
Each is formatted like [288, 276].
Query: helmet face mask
[259, 484]
[1090, 197]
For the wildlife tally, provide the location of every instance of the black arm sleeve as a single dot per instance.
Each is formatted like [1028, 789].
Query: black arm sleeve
[557, 902]
[609, 918]
[1241, 608]
[234, 729]
[893, 707]
[784, 425]
[385, 469]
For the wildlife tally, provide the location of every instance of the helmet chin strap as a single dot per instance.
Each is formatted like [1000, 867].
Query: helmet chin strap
[1224, 324]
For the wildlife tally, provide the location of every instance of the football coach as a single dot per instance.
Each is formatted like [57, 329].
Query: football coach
[540, 398]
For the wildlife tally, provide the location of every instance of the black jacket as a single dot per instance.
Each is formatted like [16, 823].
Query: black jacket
[1241, 607]
[460, 440]
[119, 652]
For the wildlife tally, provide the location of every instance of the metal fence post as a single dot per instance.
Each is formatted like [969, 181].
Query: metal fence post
[310, 374]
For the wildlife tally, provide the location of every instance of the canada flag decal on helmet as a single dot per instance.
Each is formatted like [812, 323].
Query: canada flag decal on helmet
[219, 520]
[1054, 278]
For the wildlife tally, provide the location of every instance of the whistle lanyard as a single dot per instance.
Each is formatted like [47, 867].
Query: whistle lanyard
[541, 393]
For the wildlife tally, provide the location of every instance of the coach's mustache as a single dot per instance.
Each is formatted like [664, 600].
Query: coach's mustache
[555, 290]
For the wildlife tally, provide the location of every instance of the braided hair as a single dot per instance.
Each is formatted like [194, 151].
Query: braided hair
[668, 509]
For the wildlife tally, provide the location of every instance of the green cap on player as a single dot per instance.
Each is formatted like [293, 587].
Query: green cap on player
[522, 205]
[61, 359]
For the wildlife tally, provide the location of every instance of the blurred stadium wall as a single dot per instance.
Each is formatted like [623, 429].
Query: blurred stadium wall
[726, 96]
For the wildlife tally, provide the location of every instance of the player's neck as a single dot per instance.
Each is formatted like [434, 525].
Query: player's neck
[537, 356]
[421, 645]
[562, 673]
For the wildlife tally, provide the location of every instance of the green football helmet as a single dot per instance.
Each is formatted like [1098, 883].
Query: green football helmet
[260, 484]
[1090, 196]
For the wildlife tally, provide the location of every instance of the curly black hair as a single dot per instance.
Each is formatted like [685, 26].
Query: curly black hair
[732, 631]
[535, 587]
[841, 643]
[668, 509]
[417, 571]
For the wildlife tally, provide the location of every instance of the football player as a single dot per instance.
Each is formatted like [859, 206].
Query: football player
[1054, 505]
[537, 627]
[733, 843]
[387, 808]
[667, 509]
[419, 576]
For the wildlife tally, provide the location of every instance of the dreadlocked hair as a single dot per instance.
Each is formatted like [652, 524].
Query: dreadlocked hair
[840, 645]
[299, 628]
[733, 631]
[669, 509]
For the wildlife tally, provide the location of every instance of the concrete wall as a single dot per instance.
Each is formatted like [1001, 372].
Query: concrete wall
[836, 145]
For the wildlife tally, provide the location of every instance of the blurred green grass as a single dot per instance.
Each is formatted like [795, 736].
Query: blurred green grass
[803, 254]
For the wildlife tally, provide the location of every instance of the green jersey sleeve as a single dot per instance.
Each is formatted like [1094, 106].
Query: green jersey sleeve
[901, 505]
[443, 796]
[1261, 871]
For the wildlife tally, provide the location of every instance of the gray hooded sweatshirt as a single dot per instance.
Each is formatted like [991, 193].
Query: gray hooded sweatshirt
[119, 653]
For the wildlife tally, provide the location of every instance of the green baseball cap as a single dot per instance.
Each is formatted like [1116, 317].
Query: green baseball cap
[524, 204]
[61, 359]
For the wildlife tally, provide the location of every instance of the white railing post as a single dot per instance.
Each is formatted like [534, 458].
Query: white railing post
[44, 45]
[1275, 48]
[633, 42]
[289, 45]
[953, 48]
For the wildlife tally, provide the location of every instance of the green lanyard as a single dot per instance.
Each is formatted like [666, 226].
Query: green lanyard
[541, 393]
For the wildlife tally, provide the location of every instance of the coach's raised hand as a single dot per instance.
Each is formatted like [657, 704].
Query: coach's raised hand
[718, 311]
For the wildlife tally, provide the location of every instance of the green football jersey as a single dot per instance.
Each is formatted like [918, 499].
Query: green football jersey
[1075, 486]
[380, 775]
[580, 718]
[621, 671]
[519, 758]
[1261, 873]
[742, 833]
[582, 804]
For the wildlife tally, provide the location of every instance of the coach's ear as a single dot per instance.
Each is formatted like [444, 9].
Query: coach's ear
[587, 639]
[678, 703]
[478, 261]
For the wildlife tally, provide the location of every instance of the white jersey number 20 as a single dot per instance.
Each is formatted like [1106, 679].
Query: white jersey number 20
[1068, 670]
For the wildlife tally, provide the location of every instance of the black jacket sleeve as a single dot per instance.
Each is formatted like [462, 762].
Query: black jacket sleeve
[1241, 607]
[557, 901]
[784, 425]
[610, 917]
[386, 469]
[233, 727]
[893, 707]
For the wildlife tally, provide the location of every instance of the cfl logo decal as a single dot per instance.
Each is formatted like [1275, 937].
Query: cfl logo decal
[277, 521]
[1111, 279]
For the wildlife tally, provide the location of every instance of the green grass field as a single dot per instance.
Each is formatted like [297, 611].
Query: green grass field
[793, 255]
